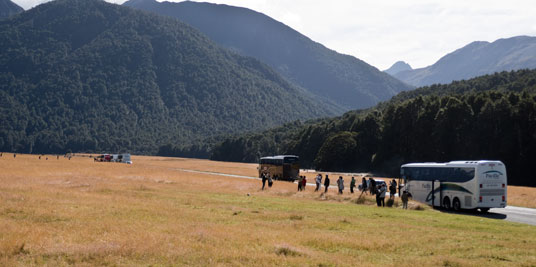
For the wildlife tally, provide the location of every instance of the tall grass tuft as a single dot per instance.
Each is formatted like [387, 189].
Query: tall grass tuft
[287, 251]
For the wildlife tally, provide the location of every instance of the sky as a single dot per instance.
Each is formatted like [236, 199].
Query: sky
[381, 32]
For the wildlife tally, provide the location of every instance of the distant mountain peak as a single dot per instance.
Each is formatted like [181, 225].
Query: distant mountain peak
[398, 67]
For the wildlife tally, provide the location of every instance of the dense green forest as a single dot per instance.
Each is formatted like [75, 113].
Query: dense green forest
[86, 75]
[489, 117]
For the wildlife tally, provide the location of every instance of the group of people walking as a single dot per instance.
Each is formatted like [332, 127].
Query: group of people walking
[375, 188]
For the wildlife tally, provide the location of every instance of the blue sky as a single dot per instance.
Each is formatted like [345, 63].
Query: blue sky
[382, 32]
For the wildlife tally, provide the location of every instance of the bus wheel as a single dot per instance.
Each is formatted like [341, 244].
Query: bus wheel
[446, 203]
[456, 204]
[484, 210]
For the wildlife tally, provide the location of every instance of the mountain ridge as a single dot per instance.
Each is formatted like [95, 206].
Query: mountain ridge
[343, 79]
[476, 59]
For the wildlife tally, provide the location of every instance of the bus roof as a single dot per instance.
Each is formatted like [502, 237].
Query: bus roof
[280, 157]
[453, 163]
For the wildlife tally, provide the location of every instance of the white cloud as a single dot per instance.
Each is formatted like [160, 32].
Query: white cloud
[383, 31]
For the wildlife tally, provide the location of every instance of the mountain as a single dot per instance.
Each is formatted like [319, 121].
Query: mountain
[488, 117]
[476, 59]
[398, 67]
[86, 75]
[8, 8]
[342, 79]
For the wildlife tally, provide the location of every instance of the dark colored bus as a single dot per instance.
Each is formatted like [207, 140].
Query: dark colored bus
[283, 167]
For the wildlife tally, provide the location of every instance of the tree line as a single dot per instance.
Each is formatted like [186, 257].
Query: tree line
[489, 117]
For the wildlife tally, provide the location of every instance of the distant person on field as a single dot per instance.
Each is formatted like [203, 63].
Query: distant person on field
[392, 189]
[304, 183]
[352, 185]
[263, 177]
[405, 200]
[326, 184]
[372, 186]
[364, 185]
[340, 184]
[14, 155]
[318, 180]
[300, 180]
[381, 195]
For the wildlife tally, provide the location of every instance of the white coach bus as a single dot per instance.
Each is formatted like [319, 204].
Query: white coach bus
[457, 184]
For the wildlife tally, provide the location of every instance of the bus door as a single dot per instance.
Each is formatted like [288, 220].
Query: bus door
[286, 171]
[433, 195]
[437, 195]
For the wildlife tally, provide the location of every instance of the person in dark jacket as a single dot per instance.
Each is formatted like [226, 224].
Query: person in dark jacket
[405, 200]
[392, 189]
[364, 187]
[263, 176]
[373, 188]
[352, 185]
[326, 184]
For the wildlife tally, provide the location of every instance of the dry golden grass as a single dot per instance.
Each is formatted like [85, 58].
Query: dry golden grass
[522, 196]
[61, 212]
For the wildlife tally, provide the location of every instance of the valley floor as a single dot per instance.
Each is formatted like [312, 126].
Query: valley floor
[63, 212]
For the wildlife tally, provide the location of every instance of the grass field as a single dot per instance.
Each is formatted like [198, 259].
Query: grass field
[63, 212]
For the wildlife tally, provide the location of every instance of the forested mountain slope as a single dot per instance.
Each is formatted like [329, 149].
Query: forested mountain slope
[8, 8]
[86, 75]
[489, 117]
[345, 80]
[476, 59]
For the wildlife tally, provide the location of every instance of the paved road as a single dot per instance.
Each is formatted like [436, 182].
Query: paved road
[510, 213]
[514, 214]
